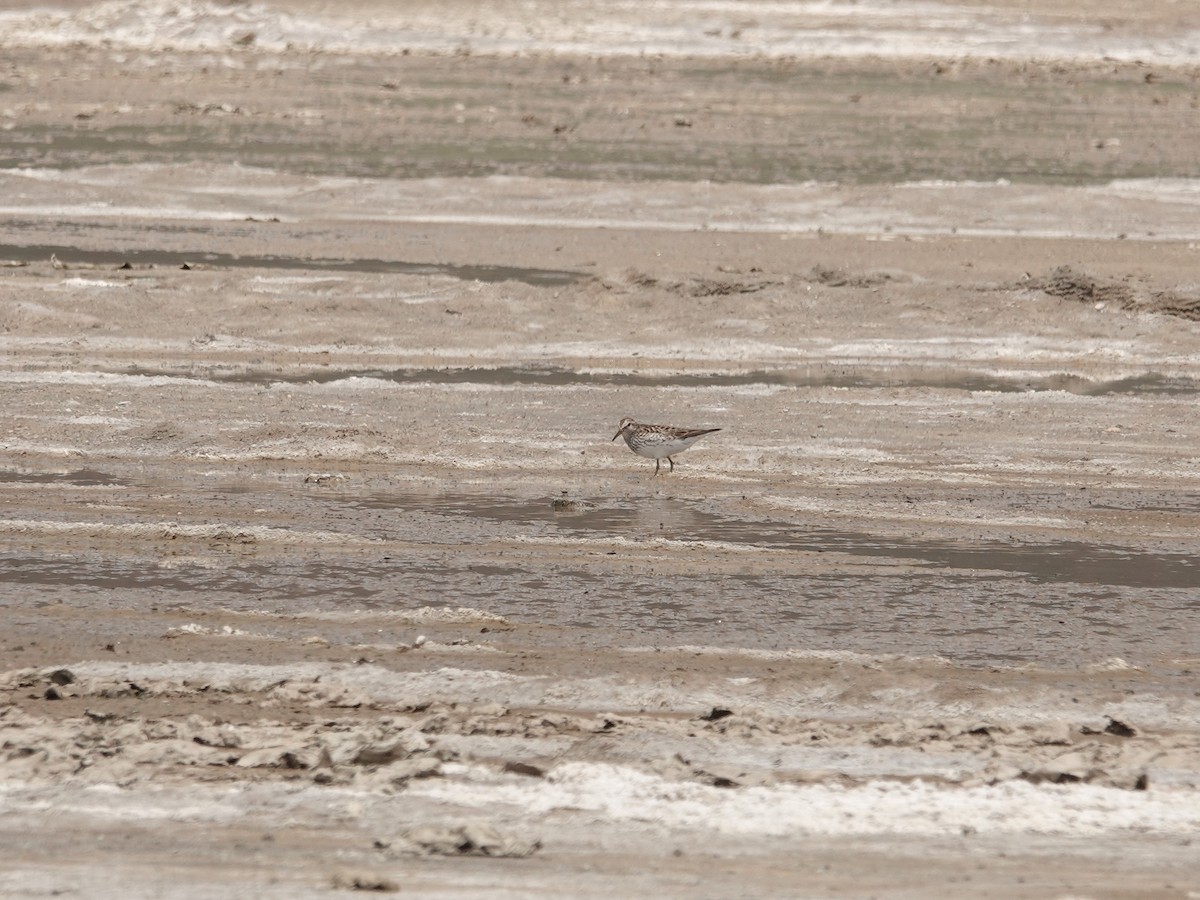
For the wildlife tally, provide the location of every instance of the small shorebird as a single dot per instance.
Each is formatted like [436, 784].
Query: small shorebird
[658, 442]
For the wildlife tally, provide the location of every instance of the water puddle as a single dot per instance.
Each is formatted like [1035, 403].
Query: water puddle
[1169, 505]
[163, 259]
[432, 517]
[1063, 562]
[77, 478]
[303, 581]
[864, 377]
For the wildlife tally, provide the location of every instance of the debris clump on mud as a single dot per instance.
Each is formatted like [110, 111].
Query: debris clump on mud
[835, 277]
[698, 286]
[466, 839]
[1069, 284]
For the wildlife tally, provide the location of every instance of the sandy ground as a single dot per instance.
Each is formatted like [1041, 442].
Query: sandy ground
[321, 572]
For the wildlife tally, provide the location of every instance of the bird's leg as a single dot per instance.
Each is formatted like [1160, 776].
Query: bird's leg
[672, 462]
[657, 463]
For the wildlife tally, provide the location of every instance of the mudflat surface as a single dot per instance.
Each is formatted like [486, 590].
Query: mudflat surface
[320, 572]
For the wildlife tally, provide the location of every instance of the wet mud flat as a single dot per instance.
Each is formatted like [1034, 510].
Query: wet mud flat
[317, 560]
[296, 584]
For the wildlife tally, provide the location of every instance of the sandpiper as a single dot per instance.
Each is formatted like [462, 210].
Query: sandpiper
[659, 442]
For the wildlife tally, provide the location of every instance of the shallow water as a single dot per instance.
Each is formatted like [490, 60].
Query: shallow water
[206, 258]
[75, 477]
[1061, 562]
[605, 566]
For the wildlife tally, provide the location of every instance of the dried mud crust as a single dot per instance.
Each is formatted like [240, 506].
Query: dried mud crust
[360, 725]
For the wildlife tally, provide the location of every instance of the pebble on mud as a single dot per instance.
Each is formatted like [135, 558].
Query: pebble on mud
[1119, 728]
[62, 676]
[526, 769]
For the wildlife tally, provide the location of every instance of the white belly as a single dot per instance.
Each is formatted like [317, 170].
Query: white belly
[660, 449]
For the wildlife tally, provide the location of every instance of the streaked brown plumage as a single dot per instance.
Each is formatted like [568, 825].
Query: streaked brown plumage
[658, 442]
